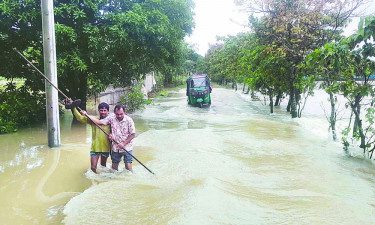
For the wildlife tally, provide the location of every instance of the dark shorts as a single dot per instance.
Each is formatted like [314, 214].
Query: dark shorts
[116, 157]
[102, 154]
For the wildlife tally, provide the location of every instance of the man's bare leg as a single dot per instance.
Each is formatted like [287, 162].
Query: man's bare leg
[103, 161]
[94, 162]
[115, 166]
[128, 166]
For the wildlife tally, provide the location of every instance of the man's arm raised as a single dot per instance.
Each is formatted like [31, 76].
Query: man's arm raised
[83, 112]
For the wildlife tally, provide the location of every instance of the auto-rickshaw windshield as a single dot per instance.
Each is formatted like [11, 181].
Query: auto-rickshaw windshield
[199, 82]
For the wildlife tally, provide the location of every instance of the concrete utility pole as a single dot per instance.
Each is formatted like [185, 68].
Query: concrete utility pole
[50, 69]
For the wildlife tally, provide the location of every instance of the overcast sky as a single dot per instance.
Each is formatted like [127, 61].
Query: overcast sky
[215, 18]
[221, 18]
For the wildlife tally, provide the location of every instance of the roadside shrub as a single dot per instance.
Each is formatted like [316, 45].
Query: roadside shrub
[20, 107]
[134, 99]
[162, 93]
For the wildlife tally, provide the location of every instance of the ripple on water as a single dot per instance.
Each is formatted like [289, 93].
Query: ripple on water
[54, 211]
[231, 163]
[129, 198]
[28, 157]
[107, 173]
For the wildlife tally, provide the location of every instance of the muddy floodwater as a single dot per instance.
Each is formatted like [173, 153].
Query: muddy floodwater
[231, 163]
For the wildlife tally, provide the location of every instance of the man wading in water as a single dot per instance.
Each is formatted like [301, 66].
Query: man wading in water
[100, 145]
[123, 132]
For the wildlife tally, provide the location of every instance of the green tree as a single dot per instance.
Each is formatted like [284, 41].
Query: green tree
[231, 54]
[213, 64]
[201, 66]
[294, 28]
[359, 85]
[98, 41]
[329, 64]
[346, 68]
[14, 102]
[187, 63]
[266, 72]
[134, 99]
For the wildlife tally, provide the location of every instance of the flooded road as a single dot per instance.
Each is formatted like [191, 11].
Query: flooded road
[231, 163]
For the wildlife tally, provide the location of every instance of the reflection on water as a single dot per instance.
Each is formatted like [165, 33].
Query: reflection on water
[231, 163]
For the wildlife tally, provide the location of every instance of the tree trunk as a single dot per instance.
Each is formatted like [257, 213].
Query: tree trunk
[243, 88]
[248, 90]
[252, 95]
[293, 103]
[278, 97]
[78, 90]
[355, 126]
[271, 103]
[96, 98]
[298, 102]
[289, 104]
[332, 119]
[167, 78]
[357, 112]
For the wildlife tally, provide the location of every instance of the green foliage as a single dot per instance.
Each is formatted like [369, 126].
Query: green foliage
[186, 61]
[193, 61]
[344, 138]
[134, 99]
[222, 61]
[346, 68]
[266, 72]
[271, 58]
[98, 41]
[20, 107]
[294, 28]
[162, 93]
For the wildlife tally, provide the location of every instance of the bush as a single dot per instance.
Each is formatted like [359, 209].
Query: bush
[134, 99]
[162, 93]
[20, 107]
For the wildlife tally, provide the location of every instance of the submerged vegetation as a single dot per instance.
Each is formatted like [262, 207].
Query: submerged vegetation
[291, 46]
[134, 99]
[20, 107]
[295, 44]
[99, 42]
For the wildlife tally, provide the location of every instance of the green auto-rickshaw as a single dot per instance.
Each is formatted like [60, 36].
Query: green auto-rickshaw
[198, 90]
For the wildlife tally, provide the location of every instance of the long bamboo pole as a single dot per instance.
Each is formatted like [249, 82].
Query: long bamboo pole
[62, 93]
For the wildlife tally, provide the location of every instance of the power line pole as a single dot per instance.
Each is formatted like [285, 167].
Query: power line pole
[50, 69]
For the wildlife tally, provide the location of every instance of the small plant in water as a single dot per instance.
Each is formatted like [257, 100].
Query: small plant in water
[134, 99]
